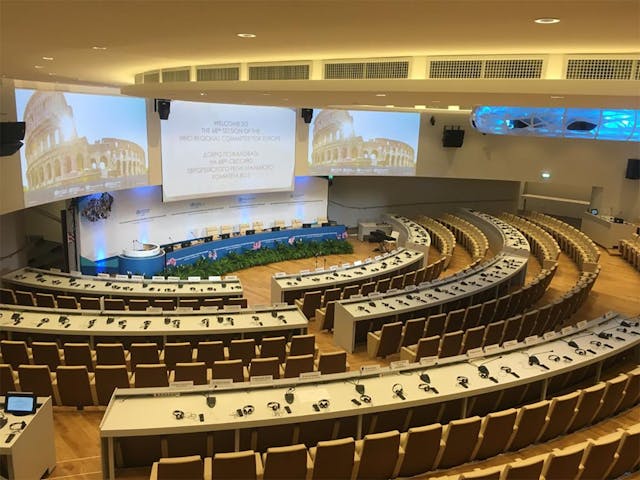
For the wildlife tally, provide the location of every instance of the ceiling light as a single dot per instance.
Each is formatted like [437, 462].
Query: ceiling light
[556, 97]
[266, 94]
[547, 20]
[38, 66]
[545, 175]
[419, 107]
[51, 74]
[202, 94]
[381, 94]
[389, 106]
[49, 59]
[98, 47]
[453, 107]
[246, 35]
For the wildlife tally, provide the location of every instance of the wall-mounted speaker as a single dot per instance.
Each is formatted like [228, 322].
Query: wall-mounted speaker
[306, 114]
[11, 136]
[633, 169]
[163, 107]
[452, 137]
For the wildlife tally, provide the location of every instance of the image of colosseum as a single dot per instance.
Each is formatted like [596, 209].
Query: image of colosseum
[336, 149]
[60, 163]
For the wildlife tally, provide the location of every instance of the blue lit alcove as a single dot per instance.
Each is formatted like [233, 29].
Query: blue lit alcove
[594, 124]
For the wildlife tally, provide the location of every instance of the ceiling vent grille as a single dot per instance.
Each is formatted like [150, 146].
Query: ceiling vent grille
[152, 77]
[181, 75]
[486, 68]
[455, 68]
[366, 70]
[217, 74]
[514, 68]
[599, 69]
[637, 75]
[279, 72]
[139, 78]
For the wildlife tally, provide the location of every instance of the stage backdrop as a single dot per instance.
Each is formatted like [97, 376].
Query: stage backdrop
[114, 221]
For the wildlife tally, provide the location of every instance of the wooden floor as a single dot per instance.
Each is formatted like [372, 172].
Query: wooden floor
[617, 288]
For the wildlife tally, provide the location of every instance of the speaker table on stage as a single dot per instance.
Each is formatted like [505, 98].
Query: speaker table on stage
[141, 259]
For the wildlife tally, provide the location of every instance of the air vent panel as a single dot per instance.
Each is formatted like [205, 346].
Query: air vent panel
[455, 68]
[279, 72]
[526, 68]
[175, 75]
[213, 74]
[152, 77]
[366, 70]
[599, 69]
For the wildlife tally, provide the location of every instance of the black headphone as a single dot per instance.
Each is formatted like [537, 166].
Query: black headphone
[179, 414]
[275, 406]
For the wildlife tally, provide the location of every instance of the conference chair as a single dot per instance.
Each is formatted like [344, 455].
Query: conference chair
[331, 295]
[107, 379]
[181, 468]
[192, 303]
[332, 362]
[325, 316]
[599, 455]
[493, 333]
[174, 353]
[488, 312]
[68, 302]
[396, 282]
[435, 325]
[455, 319]
[511, 329]
[561, 412]
[265, 366]
[7, 379]
[472, 316]
[209, 352]
[631, 391]
[195, 372]
[39, 380]
[368, 288]
[245, 465]
[421, 446]
[333, 459]
[426, 347]
[90, 303]
[138, 305]
[239, 302]
[491, 473]
[413, 331]
[612, 397]
[146, 353]
[111, 354]
[284, 463]
[212, 302]
[349, 291]
[451, 344]
[458, 442]
[309, 303]
[588, 405]
[274, 347]
[79, 354]
[528, 468]
[232, 369]
[151, 375]
[244, 350]
[46, 300]
[25, 298]
[296, 365]
[378, 454]
[114, 304]
[494, 434]
[385, 342]
[74, 386]
[563, 464]
[165, 304]
[302, 345]
[409, 279]
[7, 296]
[530, 422]
[381, 286]
[472, 339]
[626, 458]
[257, 226]
[46, 353]
[15, 353]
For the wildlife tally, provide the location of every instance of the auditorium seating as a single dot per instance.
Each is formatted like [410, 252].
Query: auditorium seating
[441, 237]
[630, 250]
[468, 235]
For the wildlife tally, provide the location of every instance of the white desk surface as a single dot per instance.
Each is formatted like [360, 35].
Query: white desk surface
[513, 240]
[127, 323]
[97, 286]
[359, 271]
[134, 412]
[416, 234]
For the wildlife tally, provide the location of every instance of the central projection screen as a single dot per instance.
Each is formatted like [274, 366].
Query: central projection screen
[78, 144]
[213, 149]
[359, 142]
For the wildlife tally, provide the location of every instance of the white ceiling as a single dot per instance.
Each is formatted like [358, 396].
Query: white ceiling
[142, 35]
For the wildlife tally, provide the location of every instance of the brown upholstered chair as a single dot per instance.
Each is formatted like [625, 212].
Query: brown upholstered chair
[386, 342]
[74, 386]
[151, 375]
[378, 454]
[295, 365]
[282, 463]
[332, 362]
[15, 353]
[232, 369]
[181, 468]
[195, 372]
[245, 465]
[46, 353]
[333, 459]
[108, 378]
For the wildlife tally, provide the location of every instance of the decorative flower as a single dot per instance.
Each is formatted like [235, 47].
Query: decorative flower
[292, 240]
[171, 262]
[213, 254]
[257, 245]
[344, 235]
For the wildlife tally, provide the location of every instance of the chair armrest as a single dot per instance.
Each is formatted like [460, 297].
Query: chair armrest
[208, 462]
[259, 467]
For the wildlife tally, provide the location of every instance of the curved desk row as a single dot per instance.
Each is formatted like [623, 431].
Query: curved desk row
[99, 324]
[509, 239]
[412, 234]
[441, 236]
[487, 280]
[122, 286]
[142, 412]
[288, 287]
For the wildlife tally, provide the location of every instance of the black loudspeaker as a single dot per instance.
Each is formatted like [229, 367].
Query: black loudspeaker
[307, 114]
[11, 136]
[633, 169]
[163, 107]
[452, 138]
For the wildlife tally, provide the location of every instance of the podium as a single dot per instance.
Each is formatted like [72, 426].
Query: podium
[143, 259]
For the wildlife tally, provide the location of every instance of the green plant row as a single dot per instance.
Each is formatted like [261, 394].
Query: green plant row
[233, 262]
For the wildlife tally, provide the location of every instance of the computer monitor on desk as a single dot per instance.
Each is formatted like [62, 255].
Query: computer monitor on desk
[275, 229]
[251, 231]
[208, 238]
[185, 244]
[224, 236]
[306, 225]
[326, 224]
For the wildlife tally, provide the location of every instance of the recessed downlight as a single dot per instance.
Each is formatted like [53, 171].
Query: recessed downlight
[246, 35]
[419, 107]
[389, 106]
[453, 107]
[381, 94]
[202, 94]
[48, 59]
[546, 175]
[38, 66]
[98, 47]
[51, 74]
[556, 97]
[547, 20]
